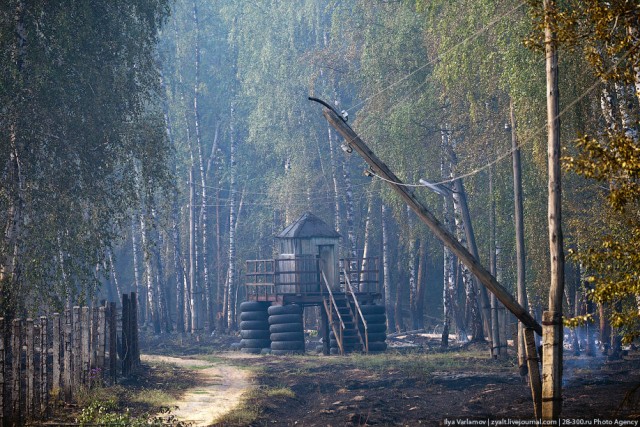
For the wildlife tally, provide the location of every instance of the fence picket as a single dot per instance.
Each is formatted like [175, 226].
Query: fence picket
[44, 360]
[44, 380]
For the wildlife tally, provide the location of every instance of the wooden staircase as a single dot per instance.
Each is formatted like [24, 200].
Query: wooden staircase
[345, 317]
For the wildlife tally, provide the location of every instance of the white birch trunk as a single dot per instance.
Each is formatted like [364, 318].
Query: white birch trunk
[386, 279]
[231, 298]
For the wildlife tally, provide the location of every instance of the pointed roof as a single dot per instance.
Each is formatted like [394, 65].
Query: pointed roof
[308, 226]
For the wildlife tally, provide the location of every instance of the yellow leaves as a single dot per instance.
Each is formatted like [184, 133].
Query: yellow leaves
[576, 321]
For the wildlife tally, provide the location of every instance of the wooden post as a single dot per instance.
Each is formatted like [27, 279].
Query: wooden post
[56, 353]
[101, 338]
[2, 371]
[16, 365]
[135, 344]
[113, 343]
[67, 383]
[31, 374]
[85, 328]
[44, 379]
[126, 337]
[77, 348]
[552, 365]
[380, 169]
[534, 371]
[552, 344]
[94, 336]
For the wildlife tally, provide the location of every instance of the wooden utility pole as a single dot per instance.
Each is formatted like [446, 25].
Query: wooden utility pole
[381, 169]
[552, 319]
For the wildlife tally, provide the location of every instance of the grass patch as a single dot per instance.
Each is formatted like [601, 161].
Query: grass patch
[276, 392]
[152, 397]
[254, 403]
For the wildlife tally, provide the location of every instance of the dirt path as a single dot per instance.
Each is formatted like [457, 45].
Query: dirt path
[220, 389]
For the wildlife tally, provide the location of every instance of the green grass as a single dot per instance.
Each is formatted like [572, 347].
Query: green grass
[153, 397]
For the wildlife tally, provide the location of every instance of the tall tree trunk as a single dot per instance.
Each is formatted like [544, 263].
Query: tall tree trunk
[142, 307]
[348, 194]
[232, 230]
[181, 285]
[518, 216]
[220, 288]
[418, 320]
[467, 277]
[161, 292]
[193, 308]
[10, 283]
[112, 272]
[153, 314]
[495, 331]
[400, 286]
[203, 202]
[386, 279]
[365, 251]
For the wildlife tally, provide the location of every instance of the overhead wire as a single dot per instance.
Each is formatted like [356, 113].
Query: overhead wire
[520, 144]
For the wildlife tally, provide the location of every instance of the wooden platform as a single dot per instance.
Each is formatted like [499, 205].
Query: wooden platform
[312, 298]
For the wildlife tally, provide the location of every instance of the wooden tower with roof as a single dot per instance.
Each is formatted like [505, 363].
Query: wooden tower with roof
[308, 272]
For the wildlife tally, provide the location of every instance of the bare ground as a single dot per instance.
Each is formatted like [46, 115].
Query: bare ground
[421, 388]
[217, 389]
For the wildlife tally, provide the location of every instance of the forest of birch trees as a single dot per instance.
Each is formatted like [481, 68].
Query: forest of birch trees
[155, 146]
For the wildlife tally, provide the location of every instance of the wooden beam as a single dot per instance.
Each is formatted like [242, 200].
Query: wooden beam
[381, 169]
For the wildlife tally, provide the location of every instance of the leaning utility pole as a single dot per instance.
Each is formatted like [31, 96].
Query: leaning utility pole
[353, 141]
[552, 320]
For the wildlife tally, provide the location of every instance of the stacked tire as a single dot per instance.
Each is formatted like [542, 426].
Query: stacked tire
[376, 327]
[254, 327]
[286, 331]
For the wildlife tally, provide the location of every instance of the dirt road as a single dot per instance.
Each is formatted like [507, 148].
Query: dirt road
[218, 392]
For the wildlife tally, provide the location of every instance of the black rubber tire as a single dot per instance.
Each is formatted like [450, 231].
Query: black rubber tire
[286, 352]
[374, 328]
[377, 337]
[287, 336]
[284, 309]
[334, 350]
[250, 325]
[288, 345]
[285, 318]
[375, 318]
[253, 306]
[377, 346]
[262, 316]
[372, 309]
[251, 350]
[250, 343]
[255, 334]
[286, 327]
[265, 351]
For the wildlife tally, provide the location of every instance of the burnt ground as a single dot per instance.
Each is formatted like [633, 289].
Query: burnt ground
[425, 387]
[406, 386]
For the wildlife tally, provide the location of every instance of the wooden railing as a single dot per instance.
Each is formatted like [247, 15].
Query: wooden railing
[349, 290]
[329, 309]
[273, 277]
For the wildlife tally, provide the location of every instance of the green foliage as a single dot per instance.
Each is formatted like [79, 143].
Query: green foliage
[107, 413]
[79, 87]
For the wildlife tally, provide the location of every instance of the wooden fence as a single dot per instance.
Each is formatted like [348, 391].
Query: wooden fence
[45, 361]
